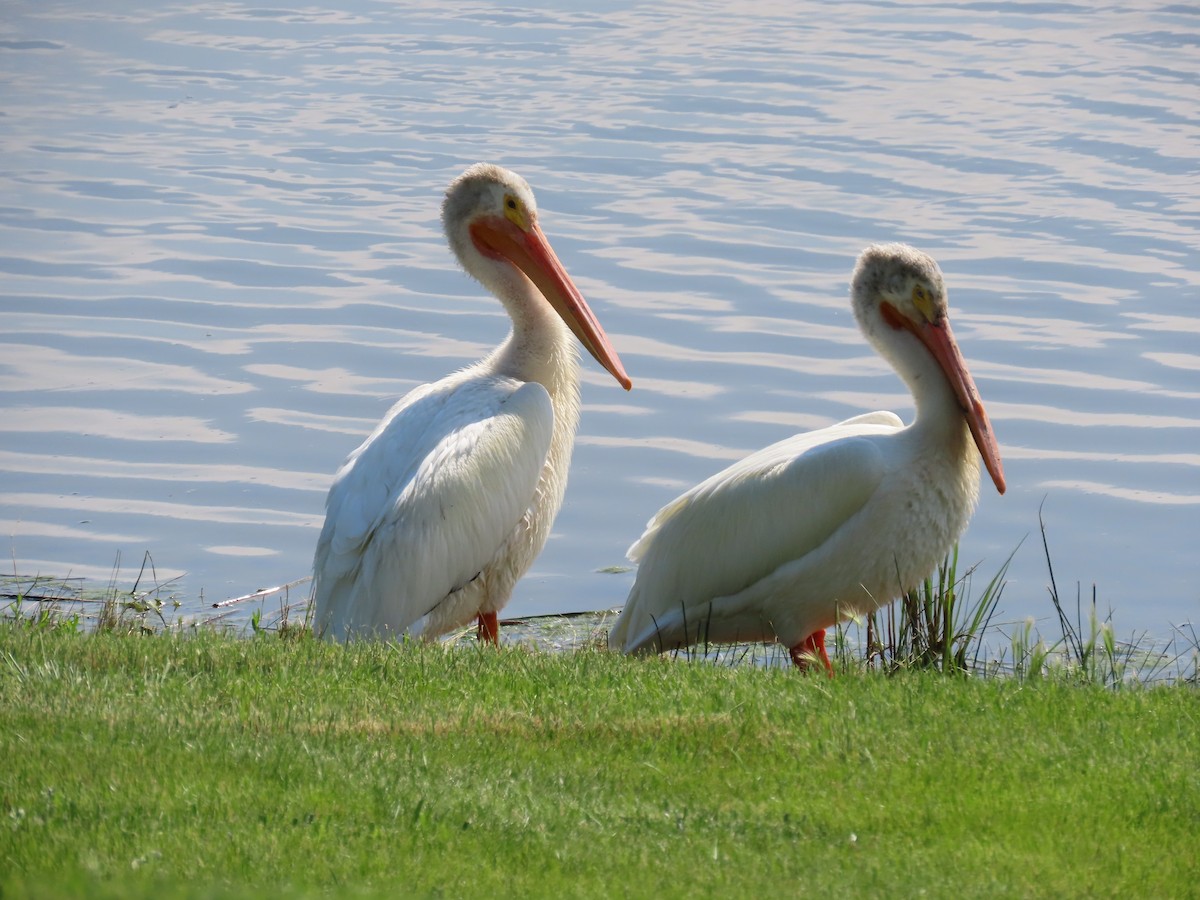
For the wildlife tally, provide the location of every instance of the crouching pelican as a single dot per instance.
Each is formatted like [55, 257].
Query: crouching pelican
[430, 523]
[834, 522]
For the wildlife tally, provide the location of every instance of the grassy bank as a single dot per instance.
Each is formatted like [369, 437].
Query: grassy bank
[208, 765]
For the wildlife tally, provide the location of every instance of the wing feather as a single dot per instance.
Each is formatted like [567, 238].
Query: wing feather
[743, 523]
[428, 501]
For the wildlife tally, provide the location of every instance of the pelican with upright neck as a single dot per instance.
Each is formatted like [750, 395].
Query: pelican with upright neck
[433, 519]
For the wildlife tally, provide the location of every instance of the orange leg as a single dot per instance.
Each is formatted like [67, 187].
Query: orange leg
[813, 645]
[489, 628]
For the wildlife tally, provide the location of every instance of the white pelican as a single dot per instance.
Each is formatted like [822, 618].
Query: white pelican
[430, 523]
[841, 520]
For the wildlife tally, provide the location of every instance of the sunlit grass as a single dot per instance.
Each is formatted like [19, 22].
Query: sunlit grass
[146, 756]
[199, 764]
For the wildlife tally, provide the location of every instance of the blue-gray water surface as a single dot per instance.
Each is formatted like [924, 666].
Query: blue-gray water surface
[221, 262]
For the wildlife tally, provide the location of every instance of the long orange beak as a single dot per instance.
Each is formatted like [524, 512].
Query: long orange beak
[940, 340]
[530, 252]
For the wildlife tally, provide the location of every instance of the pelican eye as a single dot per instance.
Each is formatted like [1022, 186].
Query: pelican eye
[514, 211]
[922, 301]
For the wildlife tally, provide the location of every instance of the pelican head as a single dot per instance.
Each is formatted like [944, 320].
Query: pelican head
[897, 290]
[484, 190]
[491, 221]
[907, 280]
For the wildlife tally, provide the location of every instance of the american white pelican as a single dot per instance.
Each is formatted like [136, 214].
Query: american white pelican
[841, 520]
[430, 523]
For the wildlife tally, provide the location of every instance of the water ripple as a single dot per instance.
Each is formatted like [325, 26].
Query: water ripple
[222, 259]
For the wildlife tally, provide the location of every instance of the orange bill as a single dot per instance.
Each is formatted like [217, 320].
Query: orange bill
[940, 340]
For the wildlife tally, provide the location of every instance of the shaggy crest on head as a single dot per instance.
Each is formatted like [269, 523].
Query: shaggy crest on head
[891, 272]
[482, 188]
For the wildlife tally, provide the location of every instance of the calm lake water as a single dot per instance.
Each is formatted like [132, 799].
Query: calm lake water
[221, 262]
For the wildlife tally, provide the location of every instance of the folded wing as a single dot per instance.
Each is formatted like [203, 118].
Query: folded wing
[427, 502]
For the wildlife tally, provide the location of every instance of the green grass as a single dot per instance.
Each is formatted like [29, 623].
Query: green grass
[209, 765]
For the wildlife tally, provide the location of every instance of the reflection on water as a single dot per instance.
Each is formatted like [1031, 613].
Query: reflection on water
[221, 262]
